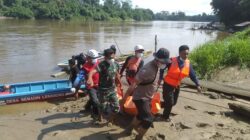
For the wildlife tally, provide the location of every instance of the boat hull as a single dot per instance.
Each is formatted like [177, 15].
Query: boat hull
[121, 59]
[36, 91]
[35, 98]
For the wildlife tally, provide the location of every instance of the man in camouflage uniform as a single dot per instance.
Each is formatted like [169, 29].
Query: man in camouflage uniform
[108, 79]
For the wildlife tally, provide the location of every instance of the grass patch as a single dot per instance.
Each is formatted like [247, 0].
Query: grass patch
[212, 56]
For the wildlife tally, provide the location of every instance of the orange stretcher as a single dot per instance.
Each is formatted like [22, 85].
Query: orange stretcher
[130, 108]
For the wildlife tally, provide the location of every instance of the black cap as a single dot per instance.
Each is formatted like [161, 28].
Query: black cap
[113, 47]
[162, 55]
[108, 52]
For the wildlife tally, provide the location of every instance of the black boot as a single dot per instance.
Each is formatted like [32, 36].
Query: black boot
[134, 124]
[88, 106]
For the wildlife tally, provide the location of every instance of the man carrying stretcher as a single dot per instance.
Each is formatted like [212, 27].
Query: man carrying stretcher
[143, 90]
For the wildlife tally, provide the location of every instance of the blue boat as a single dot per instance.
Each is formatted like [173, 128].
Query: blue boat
[35, 91]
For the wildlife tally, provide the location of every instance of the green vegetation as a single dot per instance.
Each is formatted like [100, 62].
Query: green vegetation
[232, 12]
[177, 16]
[213, 56]
[68, 9]
[114, 10]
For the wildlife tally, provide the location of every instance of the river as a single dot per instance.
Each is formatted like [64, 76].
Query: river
[30, 49]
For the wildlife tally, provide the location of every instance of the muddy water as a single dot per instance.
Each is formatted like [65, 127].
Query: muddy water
[30, 49]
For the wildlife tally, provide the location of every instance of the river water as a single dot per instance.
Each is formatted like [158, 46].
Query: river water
[30, 49]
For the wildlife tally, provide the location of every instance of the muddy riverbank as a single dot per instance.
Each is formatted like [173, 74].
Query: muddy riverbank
[195, 117]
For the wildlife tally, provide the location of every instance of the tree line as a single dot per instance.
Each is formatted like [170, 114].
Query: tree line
[231, 12]
[176, 16]
[88, 9]
[67, 9]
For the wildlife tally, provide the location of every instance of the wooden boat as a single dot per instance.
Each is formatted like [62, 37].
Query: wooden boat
[35, 91]
[240, 109]
[121, 59]
[63, 65]
[219, 87]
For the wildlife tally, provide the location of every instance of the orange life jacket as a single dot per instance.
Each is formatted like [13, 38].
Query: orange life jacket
[133, 63]
[175, 74]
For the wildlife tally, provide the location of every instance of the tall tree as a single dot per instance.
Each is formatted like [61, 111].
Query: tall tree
[112, 7]
[91, 2]
[1, 4]
[126, 9]
[126, 5]
[231, 12]
[245, 4]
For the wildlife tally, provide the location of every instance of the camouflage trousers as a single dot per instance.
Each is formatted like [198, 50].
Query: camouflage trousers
[108, 98]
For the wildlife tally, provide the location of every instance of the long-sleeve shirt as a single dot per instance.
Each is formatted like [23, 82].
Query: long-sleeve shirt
[181, 65]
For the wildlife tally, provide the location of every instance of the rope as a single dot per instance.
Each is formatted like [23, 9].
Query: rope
[117, 46]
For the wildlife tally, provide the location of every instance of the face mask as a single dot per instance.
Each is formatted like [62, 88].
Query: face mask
[94, 61]
[162, 66]
[139, 55]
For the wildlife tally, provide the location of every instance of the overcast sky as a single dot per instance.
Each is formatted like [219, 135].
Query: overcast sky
[190, 7]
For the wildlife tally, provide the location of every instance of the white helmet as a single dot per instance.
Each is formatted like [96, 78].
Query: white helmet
[92, 53]
[138, 47]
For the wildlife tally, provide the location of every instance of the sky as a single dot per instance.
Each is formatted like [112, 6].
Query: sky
[190, 7]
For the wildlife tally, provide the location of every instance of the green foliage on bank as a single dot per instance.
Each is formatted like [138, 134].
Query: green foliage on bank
[107, 10]
[116, 10]
[180, 16]
[212, 56]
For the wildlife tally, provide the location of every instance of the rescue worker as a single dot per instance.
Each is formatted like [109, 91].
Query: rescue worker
[73, 73]
[133, 64]
[91, 63]
[108, 79]
[142, 91]
[80, 59]
[73, 70]
[178, 69]
[113, 47]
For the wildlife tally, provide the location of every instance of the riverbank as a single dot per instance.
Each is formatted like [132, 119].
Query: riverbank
[194, 117]
[233, 76]
[214, 56]
[2, 17]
